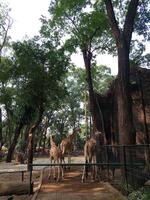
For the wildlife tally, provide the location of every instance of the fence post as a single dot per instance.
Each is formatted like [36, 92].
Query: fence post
[107, 160]
[30, 180]
[125, 166]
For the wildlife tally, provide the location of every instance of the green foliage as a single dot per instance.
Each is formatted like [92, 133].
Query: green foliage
[87, 26]
[38, 72]
[62, 7]
[5, 70]
[102, 78]
[141, 28]
[69, 114]
[141, 194]
[137, 56]
[142, 23]
[33, 77]
[5, 25]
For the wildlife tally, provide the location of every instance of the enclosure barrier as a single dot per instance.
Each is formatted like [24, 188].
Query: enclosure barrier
[131, 160]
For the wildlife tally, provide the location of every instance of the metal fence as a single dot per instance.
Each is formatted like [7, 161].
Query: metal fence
[125, 166]
[130, 165]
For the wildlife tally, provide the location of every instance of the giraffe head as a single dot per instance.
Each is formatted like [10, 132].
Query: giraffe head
[52, 138]
[99, 137]
[77, 129]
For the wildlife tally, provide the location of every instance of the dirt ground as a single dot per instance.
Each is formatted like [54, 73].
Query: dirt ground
[70, 188]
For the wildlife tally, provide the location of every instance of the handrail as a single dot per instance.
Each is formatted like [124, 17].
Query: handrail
[82, 164]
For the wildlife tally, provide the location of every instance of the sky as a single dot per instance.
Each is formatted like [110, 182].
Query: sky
[26, 15]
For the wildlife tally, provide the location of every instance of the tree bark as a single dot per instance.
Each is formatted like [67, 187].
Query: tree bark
[86, 115]
[14, 142]
[125, 117]
[87, 56]
[31, 137]
[146, 134]
[10, 127]
[26, 116]
[1, 133]
[25, 140]
[44, 136]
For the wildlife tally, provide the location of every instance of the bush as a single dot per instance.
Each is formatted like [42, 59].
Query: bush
[141, 194]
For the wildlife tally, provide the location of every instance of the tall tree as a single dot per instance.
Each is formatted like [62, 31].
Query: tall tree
[122, 35]
[37, 75]
[87, 31]
[5, 25]
[1, 135]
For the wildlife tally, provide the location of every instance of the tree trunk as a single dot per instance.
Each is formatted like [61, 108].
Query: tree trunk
[31, 137]
[1, 134]
[86, 116]
[123, 40]
[25, 140]
[10, 127]
[26, 116]
[146, 134]
[14, 142]
[44, 137]
[87, 56]
[127, 134]
[125, 119]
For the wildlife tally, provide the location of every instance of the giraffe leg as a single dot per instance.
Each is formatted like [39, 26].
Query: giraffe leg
[50, 169]
[63, 161]
[54, 174]
[62, 172]
[58, 171]
[69, 160]
[84, 171]
[83, 174]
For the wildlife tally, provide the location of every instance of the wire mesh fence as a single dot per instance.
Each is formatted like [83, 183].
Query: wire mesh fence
[126, 165]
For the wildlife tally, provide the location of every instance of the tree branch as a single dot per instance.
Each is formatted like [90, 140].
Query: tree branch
[129, 20]
[9, 24]
[112, 20]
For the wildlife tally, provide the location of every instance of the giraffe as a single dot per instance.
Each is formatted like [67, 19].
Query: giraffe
[67, 144]
[92, 151]
[56, 156]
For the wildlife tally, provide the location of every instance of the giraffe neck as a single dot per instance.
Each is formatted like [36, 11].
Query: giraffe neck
[52, 143]
[73, 135]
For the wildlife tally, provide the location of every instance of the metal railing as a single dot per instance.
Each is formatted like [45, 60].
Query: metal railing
[130, 159]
